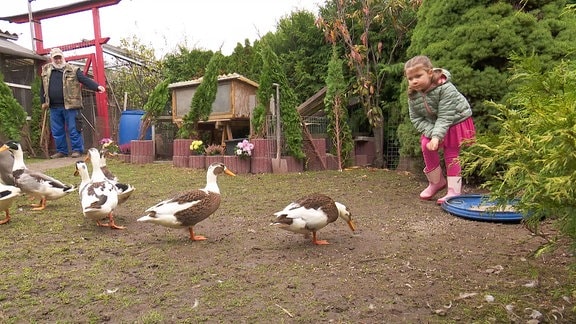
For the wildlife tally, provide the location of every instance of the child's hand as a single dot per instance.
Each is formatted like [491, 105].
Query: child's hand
[433, 144]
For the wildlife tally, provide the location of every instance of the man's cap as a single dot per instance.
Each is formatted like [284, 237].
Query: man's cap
[56, 52]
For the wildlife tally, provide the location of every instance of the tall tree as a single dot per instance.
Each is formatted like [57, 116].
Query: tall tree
[335, 103]
[12, 115]
[302, 52]
[155, 106]
[243, 60]
[137, 76]
[201, 105]
[272, 73]
[372, 32]
[186, 64]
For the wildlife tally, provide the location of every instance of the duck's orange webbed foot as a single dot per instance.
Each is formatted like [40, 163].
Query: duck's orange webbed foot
[39, 206]
[195, 237]
[5, 220]
[318, 242]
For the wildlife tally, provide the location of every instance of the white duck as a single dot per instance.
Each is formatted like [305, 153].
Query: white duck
[311, 213]
[125, 190]
[35, 184]
[189, 208]
[99, 197]
[7, 195]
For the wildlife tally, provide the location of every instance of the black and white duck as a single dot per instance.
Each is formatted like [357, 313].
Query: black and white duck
[35, 184]
[7, 195]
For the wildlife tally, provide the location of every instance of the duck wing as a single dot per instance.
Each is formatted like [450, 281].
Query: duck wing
[124, 191]
[188, 208]
[108, 174]
[27, 179]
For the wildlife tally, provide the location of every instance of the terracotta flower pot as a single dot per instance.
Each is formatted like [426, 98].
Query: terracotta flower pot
[181, 152]
[197, 162]
[214, 158]
[141, 151]
[237, 164]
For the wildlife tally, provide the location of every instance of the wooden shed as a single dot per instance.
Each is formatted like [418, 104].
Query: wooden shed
[231, 111]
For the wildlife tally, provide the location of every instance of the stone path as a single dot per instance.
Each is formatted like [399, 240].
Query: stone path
[48, 164]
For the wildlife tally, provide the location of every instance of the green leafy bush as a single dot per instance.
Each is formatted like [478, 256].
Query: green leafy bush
[533, 157]
[12, 115]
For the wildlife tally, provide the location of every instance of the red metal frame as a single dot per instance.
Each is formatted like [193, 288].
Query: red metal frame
[94, 59]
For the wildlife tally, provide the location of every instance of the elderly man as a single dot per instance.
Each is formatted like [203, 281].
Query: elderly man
[61, 93]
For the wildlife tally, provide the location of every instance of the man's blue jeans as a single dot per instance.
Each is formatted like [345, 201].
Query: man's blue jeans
[62, 125]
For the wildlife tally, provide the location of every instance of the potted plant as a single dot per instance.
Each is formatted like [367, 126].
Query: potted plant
[214, 153]
[241, 160]
[110, 148]
[197, 159]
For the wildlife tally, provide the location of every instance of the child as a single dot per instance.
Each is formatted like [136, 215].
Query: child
[443, 116]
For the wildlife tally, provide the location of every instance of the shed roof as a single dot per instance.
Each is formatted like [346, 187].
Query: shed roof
[7, 46]
[230, 76]
[313, 106]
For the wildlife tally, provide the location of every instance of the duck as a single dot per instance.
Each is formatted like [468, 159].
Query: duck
[311, 213]
[109, 175]
[6, 163]
[35, 184]
[98, 195]
[7, 195]
[187, 209]
[125, 190]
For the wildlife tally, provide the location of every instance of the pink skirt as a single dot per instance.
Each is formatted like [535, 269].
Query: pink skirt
[461, 133]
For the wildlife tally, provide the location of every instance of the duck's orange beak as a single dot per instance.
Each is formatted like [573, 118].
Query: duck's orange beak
[351, 225]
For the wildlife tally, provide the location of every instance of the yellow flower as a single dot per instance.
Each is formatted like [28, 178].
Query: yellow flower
[196, 146]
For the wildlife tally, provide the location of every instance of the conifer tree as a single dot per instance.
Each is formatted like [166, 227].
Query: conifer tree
[201, 105]
[272, 73]
[12, 115]
[335, 107]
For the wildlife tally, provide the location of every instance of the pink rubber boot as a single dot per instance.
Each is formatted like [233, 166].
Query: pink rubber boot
[436, 182]
[454, 189]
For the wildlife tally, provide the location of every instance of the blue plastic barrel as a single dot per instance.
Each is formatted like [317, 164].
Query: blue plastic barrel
[129, 127]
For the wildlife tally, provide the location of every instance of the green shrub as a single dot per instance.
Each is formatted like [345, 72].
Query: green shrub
[12, 115]
[533, 157]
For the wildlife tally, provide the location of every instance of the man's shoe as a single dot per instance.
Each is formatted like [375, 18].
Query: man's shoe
[57, 155]
[76, 154]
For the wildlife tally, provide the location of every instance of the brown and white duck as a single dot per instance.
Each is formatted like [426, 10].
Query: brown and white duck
[7, 195]
[32, 183]
[310, 214]
[189, 208]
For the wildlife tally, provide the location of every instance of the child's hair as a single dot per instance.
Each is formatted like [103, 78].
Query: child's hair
[423, 62]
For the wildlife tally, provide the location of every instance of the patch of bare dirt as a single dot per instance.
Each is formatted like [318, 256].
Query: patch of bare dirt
[408, 262]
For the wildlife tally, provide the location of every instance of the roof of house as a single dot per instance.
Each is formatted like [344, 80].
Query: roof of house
[230, 76]
[7, 46]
